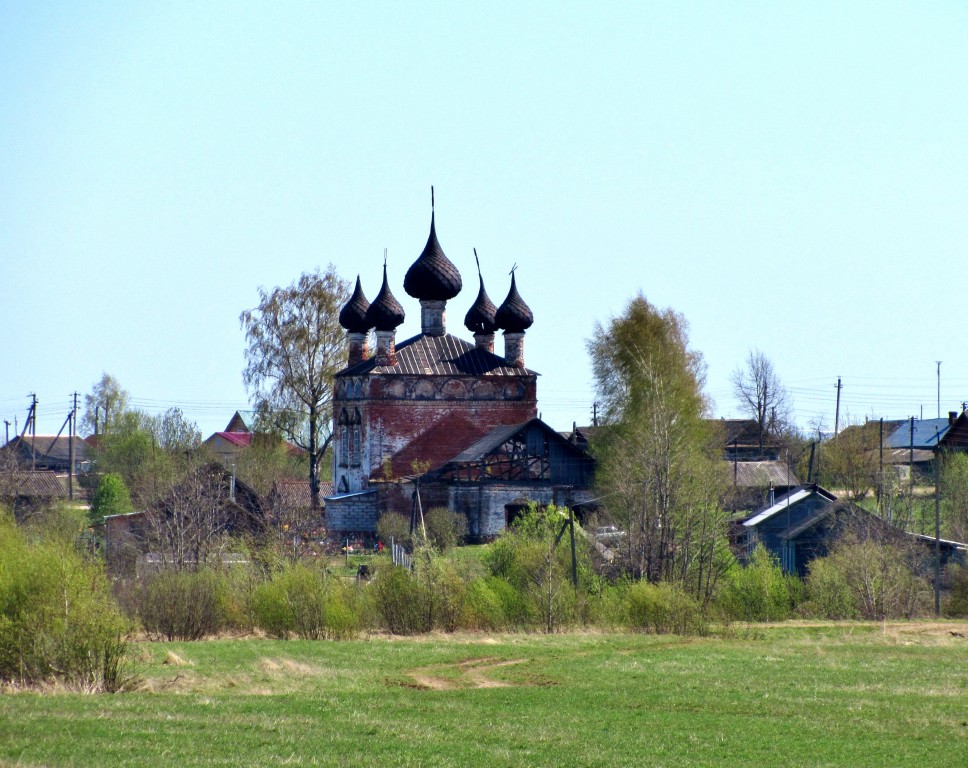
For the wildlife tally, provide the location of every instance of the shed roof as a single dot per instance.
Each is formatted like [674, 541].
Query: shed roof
[445, 355]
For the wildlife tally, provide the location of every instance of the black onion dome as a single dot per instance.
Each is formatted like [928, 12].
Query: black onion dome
[353, 315]
[432, 276]
[514, 316]
[480, 318]
[385, 313]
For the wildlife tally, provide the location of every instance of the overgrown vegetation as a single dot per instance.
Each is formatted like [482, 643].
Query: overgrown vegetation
[58, 621]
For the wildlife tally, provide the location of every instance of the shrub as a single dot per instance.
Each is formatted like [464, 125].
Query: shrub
[184, 605]
[445, 528]
[299, 600]
[400, 602]
[443, 589]
[663, 609]
[829, 595]
[956, 603]
[482, 608]
[759, 591]
[392, 526]
[880, 577]
[57, 618]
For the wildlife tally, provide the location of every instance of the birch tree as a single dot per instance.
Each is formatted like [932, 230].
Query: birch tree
[294, 347]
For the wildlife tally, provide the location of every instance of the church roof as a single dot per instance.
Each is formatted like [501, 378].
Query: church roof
[353, 315]
[385, 313]
[480, 318]
[514, 316]
[444, 355]
[433, 276]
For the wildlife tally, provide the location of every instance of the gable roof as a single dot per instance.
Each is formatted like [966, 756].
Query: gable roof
[788, 500]
[49, 447]
[242, 421]
[445, 355]
[27, 484]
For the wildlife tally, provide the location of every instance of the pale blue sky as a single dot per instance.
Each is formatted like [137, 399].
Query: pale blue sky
[789, 176]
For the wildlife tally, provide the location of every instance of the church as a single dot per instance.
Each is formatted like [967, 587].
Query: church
[442, 418]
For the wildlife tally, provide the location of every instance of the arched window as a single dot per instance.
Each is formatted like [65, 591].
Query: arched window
[356, 453]
[344, 438]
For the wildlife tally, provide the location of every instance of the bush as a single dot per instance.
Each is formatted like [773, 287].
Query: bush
[956, 603]
[445, 528]
[400, 602]
[829, 596]
[184, 605]
[880, 577]
[57, 618]
[663, 609]
[443, 589]
[482, 608]
[759, 591]
[299, 600]
[393, 527]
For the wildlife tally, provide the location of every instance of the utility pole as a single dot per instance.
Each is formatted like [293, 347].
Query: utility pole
[837, 412]
[32, 426]
[72, 434]
[880, 470]
[939, 387]
[7, 425]
[594, 414]
[937, 531]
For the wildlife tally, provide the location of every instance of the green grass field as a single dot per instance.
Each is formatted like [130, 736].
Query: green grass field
[792, 695]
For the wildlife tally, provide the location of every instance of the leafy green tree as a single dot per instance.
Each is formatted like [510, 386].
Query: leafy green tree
[110, 498]
[104, 405]
[294, 347]
[659, 469]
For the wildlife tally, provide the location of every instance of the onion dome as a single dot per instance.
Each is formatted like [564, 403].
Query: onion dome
[514, 316]
[385, 313]
[353, 315]
[432, 277]
[480, 317]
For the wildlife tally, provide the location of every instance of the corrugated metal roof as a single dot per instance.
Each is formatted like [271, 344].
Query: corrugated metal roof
[761, 474]
[927, 433]
[497, 436]
[445, 355]
[787, 500]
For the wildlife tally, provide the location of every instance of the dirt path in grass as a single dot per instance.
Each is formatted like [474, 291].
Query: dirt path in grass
[473, 673]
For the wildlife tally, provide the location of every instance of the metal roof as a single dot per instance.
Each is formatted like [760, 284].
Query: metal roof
[445, 355]
[927, 434]
[761, 474]
[788, 500]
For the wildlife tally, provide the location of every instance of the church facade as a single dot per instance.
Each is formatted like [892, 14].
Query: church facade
[405, 412]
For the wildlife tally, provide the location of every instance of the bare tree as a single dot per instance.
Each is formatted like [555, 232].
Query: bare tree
[192, 521]
[295, 346]
[761, 395]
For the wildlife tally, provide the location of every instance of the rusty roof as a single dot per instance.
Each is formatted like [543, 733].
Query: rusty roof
[445, 355]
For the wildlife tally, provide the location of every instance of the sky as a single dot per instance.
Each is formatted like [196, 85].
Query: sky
[790, 177]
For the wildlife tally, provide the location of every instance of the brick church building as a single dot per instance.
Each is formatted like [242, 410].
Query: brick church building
[437, 412]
